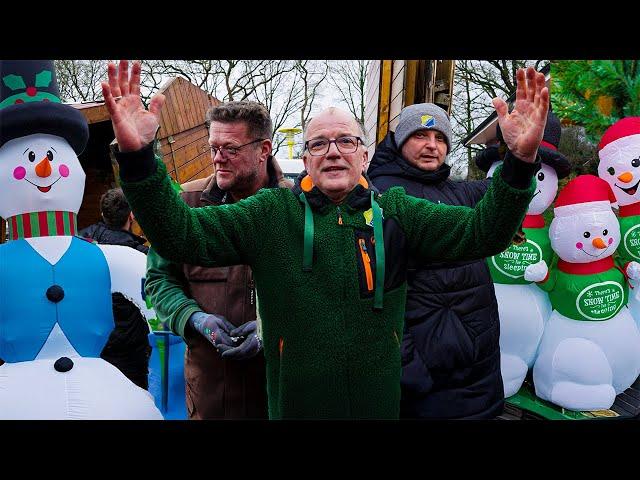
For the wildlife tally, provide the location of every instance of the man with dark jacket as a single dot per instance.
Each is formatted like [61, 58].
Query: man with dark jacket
[128, 347]
[450, 347]
[115, 227]
[224, 379]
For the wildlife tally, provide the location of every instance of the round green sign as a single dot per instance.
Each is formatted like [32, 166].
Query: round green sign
[631, 242]
[513, 261]
[600, 301]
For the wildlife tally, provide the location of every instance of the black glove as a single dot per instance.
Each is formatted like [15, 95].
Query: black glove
[214, 328]
[249, 347]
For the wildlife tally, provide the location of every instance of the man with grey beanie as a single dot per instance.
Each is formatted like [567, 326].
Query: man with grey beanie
[450, 348]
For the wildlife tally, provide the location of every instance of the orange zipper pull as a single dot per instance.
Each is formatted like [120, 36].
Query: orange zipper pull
[339, 216]
[366, 262]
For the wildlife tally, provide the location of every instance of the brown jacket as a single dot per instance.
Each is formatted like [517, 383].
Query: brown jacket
[217, 388]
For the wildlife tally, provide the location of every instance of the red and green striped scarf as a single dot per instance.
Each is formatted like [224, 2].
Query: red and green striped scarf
[42, 224]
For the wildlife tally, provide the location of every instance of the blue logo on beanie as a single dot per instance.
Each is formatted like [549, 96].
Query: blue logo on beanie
[427, 121]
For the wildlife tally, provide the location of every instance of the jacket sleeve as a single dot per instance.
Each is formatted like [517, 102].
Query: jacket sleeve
[166, 285]
[445, 232]
[210, 236]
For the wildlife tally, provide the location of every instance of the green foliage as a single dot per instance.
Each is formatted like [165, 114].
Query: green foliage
[582, 89]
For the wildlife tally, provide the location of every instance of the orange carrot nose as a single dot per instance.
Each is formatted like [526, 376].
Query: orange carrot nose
[43, 169]
[598, 243]
[626, 177]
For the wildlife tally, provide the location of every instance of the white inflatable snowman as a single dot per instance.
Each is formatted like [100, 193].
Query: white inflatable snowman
[619, 152]
[55, 288]
[590, 349]
[523, 308]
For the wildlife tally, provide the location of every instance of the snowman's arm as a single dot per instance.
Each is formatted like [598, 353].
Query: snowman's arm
[543, 276]
[127, 268]
[630, 269]
[549, 284]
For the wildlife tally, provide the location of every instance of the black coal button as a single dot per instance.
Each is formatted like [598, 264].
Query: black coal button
[55, 293]
[63, 364]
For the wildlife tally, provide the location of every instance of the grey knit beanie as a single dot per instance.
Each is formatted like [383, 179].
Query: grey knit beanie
[422, 116]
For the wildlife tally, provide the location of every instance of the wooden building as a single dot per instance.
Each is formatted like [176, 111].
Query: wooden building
[394, 84]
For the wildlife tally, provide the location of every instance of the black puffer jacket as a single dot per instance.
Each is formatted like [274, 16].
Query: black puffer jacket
[104, 234]
[450, 351]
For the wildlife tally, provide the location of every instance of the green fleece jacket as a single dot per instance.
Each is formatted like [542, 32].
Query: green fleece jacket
[329, 354]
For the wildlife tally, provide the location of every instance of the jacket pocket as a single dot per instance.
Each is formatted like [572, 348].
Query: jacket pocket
[207, 274]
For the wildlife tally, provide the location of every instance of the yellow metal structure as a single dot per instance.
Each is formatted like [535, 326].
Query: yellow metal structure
[290, 133]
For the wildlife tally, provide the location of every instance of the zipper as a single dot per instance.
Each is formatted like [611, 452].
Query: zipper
[252, 290]
[339, 216]
[366, 261]
[396, 337]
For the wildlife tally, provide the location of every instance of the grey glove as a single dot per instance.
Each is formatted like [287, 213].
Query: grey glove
[214, 328]
[250, 342]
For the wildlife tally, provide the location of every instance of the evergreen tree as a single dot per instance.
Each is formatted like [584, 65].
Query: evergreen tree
[595, 93]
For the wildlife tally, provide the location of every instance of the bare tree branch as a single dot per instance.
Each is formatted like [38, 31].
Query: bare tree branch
[348, 78]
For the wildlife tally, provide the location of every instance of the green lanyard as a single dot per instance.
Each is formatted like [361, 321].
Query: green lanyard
[379, 238]
[307, 259]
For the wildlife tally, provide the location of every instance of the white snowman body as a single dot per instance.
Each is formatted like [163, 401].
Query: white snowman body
[42, 173]
[523, 308]
[590, 348]
[619, 166]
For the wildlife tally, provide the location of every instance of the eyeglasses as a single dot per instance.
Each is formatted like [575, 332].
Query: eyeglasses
[320, 146]
[230, 152]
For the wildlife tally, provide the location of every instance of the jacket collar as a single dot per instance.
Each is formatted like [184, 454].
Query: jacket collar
[358, 199]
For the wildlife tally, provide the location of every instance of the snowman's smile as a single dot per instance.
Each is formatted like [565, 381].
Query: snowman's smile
[596, 256]
[43, 189]
[539, 191]
[630, 190]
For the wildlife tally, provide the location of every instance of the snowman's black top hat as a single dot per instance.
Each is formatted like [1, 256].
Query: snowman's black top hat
[30, 103]
[548, 149]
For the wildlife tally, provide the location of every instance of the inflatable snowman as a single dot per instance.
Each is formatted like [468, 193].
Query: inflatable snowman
[619, 152]
[590, 349]
[523, 308]
[55, 288]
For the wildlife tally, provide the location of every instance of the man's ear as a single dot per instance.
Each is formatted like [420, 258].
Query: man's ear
[267, 147]
[365, 160]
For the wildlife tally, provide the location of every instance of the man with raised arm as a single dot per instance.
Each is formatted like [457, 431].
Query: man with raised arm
[329, 257]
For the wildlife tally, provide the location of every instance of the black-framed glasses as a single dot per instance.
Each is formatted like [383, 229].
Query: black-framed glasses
[231, 152]
[320, 146]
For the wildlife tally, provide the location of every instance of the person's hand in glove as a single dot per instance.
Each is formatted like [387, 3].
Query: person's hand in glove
[214, 328]
[249, 347]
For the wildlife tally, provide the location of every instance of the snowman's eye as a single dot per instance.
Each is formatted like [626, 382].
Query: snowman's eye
[586, 234]
[49, 155]
[32, 156]
[541, 176]
[635, 162]
[605, 231]
[611, 171]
